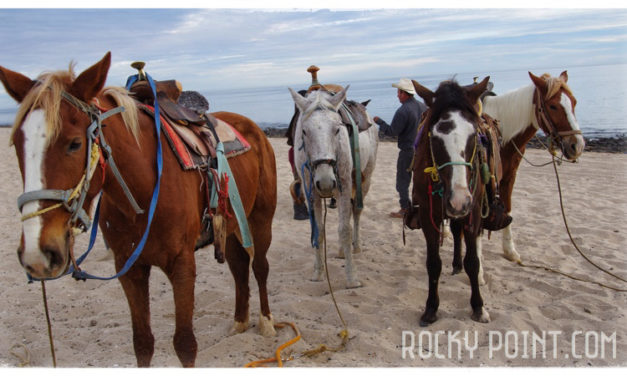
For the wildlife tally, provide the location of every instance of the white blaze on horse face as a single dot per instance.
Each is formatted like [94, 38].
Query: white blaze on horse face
[34, 130]
[572, 120]
[455, 141]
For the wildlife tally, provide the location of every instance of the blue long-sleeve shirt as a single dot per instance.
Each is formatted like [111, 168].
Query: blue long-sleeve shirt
[404, 123]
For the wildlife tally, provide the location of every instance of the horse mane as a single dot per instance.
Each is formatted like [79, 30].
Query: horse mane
[451, 96]
[121, 97]
[319, 102]
[554, 84]
[47, 95]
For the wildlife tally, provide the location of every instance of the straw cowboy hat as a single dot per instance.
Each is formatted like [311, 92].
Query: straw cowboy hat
[405, 85]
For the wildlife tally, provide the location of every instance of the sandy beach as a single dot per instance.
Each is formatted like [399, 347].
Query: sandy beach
[583, 324]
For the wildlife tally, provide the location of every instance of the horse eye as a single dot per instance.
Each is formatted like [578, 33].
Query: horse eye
[75, 145]
[304, 133]
[337, 131]
[553, 107]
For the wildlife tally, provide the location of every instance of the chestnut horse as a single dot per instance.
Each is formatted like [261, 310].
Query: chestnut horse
[547, 104]
[50, 138]
[449, 148]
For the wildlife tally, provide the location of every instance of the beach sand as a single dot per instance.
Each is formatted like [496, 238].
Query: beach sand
[91, 323]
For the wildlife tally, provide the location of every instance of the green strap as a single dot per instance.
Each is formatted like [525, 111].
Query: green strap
[236, 202]
[359, 200]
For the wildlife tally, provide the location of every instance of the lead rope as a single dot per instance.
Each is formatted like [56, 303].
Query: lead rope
[322, 347]
[45, 299]
[559, 188]
[344, 333]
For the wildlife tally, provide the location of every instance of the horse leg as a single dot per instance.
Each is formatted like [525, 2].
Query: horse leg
[238, 261]
[345, 237]
[506, 187]
[434, 268]
[472, 265]
[135, 286]
[456, 229]
[262, 237]
[480, 257]
[182, 276]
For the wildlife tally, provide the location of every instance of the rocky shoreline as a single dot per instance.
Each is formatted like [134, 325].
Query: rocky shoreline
[617, 144]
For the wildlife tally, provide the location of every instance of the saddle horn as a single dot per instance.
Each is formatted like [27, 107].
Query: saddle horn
[139, 65]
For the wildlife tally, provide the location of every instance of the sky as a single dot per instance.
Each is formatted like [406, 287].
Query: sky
[221, 48]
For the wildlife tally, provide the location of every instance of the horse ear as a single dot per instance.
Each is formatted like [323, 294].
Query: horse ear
[89, 83]
[337, 100]
[365, 103]
[539, 82]
[475, 92]
[424, 93]
[564, 76]
[301, 102]
[16, 84]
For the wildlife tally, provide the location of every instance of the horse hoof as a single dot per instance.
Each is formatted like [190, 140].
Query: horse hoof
[266, 325]
[427, 320]
[456, 270]
[512, 256]
[356, 250]
[353, 284]
[481, 280]
[317, 276]
[481, 316]
[239, 327]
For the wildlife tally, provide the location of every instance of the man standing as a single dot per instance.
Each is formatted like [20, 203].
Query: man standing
[404, 126]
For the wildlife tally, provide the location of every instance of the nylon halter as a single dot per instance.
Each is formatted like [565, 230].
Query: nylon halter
[544, 121]
[73, 199]
[435, 169]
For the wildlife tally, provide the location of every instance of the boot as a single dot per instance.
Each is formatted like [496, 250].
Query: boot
[300, 211]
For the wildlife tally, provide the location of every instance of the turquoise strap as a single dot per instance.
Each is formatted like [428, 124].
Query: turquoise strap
[455, 164]
[236, 202]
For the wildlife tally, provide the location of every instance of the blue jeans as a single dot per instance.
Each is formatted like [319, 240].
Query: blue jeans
[403, 177]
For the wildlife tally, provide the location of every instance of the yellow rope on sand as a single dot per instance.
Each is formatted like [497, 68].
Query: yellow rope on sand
[277, 356]
[321, 348]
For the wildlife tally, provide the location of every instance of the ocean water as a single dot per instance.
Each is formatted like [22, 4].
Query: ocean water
[601, 93]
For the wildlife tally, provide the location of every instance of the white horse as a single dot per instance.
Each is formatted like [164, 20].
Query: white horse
[546, 104]
[322, 155]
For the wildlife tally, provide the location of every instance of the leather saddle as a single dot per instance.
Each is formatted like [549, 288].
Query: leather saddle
[186, 114]
[492, 173]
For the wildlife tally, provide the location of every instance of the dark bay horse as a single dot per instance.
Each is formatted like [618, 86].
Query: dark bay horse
[446, 183]
[548, 104]
[50, 138]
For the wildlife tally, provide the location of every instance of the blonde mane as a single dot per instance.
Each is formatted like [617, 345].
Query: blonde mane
[554, 84]
[47, 95]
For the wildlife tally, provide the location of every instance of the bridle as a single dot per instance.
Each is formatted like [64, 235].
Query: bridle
[99, 153]
[547, 125]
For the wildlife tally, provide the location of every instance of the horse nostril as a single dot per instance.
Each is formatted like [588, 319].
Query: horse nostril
[318, 185]
[334, 184]
[54, 256]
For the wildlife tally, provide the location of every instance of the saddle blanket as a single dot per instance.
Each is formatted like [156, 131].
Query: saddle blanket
[194, 146]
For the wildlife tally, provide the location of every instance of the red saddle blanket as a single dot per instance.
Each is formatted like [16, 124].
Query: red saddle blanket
[194, 147]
